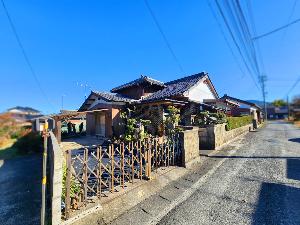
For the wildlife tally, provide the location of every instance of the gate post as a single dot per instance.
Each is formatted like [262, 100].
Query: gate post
[68, 185]
[189, 140]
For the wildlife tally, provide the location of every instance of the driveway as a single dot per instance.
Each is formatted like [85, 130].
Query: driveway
[254, 180]
[20, 190]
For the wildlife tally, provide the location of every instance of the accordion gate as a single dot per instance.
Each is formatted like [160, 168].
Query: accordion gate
[99, 171]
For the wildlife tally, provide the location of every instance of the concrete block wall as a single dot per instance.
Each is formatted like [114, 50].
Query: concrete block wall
[214, 136]
[55, 166]
[189, 140]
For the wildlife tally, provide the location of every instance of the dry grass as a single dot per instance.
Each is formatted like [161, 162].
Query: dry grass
[7, 151]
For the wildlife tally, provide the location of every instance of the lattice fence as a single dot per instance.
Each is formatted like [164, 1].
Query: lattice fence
[97, 172]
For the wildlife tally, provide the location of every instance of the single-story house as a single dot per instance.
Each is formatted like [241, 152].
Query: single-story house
[148, 95]
[23, 114]
[244, 108]
[274, 112]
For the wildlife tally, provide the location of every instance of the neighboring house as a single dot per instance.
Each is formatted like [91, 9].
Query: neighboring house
[274, 112]
[223, 104]
[151, 97]
[23, 114]
[245, 108]
[38, 123]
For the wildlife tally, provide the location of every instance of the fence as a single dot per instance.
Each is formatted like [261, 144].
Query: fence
[97, 172]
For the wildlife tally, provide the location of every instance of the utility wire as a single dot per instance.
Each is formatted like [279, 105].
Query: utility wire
[235, 41]
[252, 24]
[24, 52]
[226, 40]
[290, 17]
[294, 85]
[276, 30]
[163, 35]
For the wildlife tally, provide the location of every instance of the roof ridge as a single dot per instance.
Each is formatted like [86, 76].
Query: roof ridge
[137, 81]
[186, 77]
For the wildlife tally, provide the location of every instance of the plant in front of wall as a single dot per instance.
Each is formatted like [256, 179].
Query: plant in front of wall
[207, 118]
[171, 121]
[74, 186]
[134, 127]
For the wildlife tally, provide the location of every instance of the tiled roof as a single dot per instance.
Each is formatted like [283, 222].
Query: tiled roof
[140, 80]
[24, 109]
[113, 97]
[176, 87]
[241, 101]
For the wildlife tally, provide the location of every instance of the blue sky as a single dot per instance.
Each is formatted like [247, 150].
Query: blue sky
[106, 43]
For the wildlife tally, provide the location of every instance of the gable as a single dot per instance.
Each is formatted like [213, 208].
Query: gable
[199, 92]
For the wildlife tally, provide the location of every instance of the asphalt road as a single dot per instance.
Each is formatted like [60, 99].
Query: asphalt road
[254, 180]
[20, 190]
[258, 184]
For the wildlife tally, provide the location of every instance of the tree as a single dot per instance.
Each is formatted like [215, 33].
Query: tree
[134, 127]
[296, 101]
[279, 103]
[171, 120]
[296, 105]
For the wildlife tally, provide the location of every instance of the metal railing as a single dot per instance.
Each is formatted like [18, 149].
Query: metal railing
[99, 171]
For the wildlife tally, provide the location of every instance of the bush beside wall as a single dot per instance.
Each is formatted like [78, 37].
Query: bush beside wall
[236, 122]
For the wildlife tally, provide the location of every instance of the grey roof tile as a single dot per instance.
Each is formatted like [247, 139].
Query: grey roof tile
[176, 87]
[113, 97]
[140, 80]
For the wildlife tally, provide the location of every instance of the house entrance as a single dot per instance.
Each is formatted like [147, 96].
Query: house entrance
[100, 125]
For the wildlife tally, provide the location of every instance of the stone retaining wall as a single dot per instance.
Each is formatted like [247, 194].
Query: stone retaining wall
[214, 136]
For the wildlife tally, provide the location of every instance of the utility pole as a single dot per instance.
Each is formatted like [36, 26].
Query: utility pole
[288, 107]
[44, 179]
[263, 79]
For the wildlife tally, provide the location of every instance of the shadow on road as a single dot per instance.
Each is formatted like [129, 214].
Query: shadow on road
[277, 204]
[297, 140]
[293, 169]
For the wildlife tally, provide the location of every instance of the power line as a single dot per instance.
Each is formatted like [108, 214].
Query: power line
[236, 41]
[290, 17]
[276, 30]
[294, 85]
[24, 52]
[163, 35]
[252, 24]
[226, 40]
[236, 22]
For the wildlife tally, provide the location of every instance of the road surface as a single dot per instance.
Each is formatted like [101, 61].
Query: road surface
[255, 180]
[259, 184]
[20, 190]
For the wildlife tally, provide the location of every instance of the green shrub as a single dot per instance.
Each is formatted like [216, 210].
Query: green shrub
[18, 133]
[31, 142]
[236, 122]
[207, 118]
[74, 186]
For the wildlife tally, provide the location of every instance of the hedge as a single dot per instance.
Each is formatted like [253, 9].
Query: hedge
[236, 122]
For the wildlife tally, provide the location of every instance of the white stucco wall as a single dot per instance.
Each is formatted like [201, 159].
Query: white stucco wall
[98, 101]
[200, 92]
